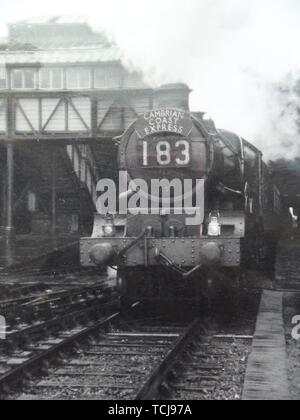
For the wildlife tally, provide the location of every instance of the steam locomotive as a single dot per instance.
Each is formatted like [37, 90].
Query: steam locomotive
[195, 203]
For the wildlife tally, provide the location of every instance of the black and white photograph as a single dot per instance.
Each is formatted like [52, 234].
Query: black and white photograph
[150, 203]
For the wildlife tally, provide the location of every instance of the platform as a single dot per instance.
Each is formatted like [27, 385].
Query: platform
[35, 247]
[267, 372]
[287, 272]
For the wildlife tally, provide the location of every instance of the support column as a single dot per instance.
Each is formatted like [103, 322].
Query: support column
[3, 198]
[53, 195]
[9, 227]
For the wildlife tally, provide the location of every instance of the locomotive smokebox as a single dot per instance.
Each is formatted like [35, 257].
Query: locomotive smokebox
[211, 253]
[102, 253]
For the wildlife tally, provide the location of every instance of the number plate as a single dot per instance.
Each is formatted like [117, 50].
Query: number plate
[169, 152]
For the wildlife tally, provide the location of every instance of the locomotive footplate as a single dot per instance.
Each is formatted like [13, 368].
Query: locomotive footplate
[183, 253]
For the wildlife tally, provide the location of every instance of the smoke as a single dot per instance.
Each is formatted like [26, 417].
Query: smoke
[240, 57]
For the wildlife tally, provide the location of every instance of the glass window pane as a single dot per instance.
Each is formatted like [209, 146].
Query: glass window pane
[51, 78]
[72, 79]
[78, 78]
[57, 79]
[29, 79]
[17, 79]
[45, 80]
[84, 78]
[100, 78]
[2, 78]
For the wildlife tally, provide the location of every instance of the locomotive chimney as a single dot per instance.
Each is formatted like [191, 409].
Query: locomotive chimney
[172, 95]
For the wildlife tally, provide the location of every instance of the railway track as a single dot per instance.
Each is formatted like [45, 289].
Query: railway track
[22, 289]
[28, 347]
[49, 297]
[120, 358]
[100, 351]
[48, 313]
[17, 293]
[71, 342]
[39, 311]
[60, 258]
[88, 350]
[203, 369]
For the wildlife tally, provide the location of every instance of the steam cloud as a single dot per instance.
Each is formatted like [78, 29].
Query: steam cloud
[241, 58]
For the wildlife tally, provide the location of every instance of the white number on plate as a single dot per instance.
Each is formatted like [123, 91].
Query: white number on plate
[163, 150]
[185, 152]
[164, 153]
[145, 153]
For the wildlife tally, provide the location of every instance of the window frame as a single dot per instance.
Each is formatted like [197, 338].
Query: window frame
[22, 70]
[104, 70]
[4, 69]
[51, 70]
[78, 69]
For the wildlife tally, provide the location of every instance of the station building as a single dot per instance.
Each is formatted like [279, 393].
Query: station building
[65, 97]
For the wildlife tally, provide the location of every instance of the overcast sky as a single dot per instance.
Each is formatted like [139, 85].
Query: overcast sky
[233, 53]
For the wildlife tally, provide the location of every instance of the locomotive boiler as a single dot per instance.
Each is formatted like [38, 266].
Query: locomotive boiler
[193, 203]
